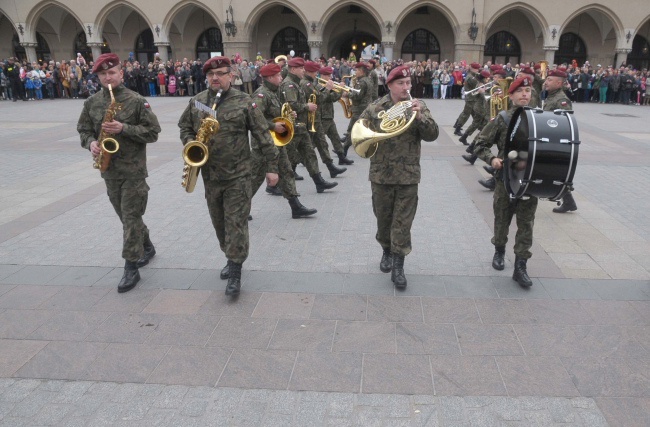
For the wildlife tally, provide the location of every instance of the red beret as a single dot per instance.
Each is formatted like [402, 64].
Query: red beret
[327, 70]
[537, 67]
[485, 73]
[475, 65]
[270, 70]
[270, 61]
[558, 73]
[527, 70]
[312, 67]
[399, 73]
[373, 62]
[296, 62]
[520, 82]
[106, 61]
[216, 62]
[361, 64]
[496, 67]
[500, 72]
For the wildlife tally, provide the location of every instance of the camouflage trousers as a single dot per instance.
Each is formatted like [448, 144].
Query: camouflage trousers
[229, 204]
[503, 212]
[319, 141]
[287, 182]
[464, 115]
[394, 207]
[129, 199]
[329, 129]
[353, 120]
[301, 150]
[479, 119]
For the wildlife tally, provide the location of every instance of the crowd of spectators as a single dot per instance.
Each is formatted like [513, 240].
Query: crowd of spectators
[430, 79]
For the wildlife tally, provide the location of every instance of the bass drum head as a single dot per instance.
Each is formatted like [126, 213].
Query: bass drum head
[516, 165]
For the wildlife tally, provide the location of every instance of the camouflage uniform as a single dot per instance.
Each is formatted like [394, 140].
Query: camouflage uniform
[360, 101]
[226, 175]
[495, 132]
[557, 100]
[395, 175]
[480, 115]
[327, 120]
[125, 177]
[374, 78]
[471, 82]
[266, 97]
[538, 86]
[309, 87]
[301, 149]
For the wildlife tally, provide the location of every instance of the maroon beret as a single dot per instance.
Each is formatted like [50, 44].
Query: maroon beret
[270, 70]
[106, 61]
[373, 62]
[270, 61]
[500, 72]
[527, 70]
[485, 73]
[520, 82]
[216, 62]
[312, 67]
[537, 67]
[475, 65]
[495, 67]
[361, 65]
[296, 62]
[327, 71]
[558, 73]
[399, 73]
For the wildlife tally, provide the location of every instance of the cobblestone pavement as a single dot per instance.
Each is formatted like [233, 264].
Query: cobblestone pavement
[319, 336]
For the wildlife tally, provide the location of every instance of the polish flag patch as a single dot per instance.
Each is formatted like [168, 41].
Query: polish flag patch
[146, 105]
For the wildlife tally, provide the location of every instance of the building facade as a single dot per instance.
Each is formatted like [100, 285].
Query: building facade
[608, 32]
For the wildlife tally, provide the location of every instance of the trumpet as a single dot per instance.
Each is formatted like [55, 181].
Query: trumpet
[486, 86]
[312, 114]
[339, 87]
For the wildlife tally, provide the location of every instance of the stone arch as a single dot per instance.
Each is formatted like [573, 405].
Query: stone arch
[534, 16]
[181, 8]
[444, 10]
[104, 13]
[440, 21]
[337, 28]
[255, 15]
[327, 15]
[591, 9]
[7, 32]
[31, 22]
[643, 22]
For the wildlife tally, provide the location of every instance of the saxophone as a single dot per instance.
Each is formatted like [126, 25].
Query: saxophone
[195, 153]
[107, 144]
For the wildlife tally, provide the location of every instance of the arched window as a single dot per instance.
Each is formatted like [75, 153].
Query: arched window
[501, 48]
[421, 45]
[288, 39]
[571, 47]
[639, 58]
[209, 43]
[145, 50]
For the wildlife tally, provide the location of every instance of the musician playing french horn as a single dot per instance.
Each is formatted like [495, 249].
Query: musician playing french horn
[360, 99]
[133, 126]
[226, 174]
[267, 100]
[327, 117]
[395, 171]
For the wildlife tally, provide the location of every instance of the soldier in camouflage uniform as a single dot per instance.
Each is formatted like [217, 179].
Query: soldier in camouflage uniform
[504, 208]
[395, 174]
[360, 100]
[301, 148]
[535, 94]
[134, 126]
[471, 82]
[327, 118]
[310, 86]
[266, 97]
[226, 175]
[374, 78]
[556, 99]
[480, 110]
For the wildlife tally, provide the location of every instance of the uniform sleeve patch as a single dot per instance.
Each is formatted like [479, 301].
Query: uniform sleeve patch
[254, 105]
[261, 95]
[291, 86]
[308, 84]
[564, 104]
[492, 119]
[146, 105]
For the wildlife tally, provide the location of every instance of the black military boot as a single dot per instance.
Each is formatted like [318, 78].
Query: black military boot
[470, 158]
[296, 176]
[149, 252]
[463, 139]
[344, 160]
[489, 169]
[520, 274]
[225, 272]
[334, 170]
[568, 204]
[470, 149]
[490, 184]
[458, 129]
[397, 274]
[234, 280]
[298, 210]
[498, 262]
[346, 146]
[250, 217]
[321, 184]
[386, 263]
[273, 190]
[130, 278]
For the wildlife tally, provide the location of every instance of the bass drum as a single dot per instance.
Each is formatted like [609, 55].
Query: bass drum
[541, 153]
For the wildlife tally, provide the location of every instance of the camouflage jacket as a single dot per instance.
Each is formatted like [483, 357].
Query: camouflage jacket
[267, 100]
[140, 128]
[471, 82]
[535, 99]
[361, 100]
[374, 78]
[229, 150]
[397, 160]
[493, 133]
[291, 92]
[557, 100]
[309, 87]
[327, 107]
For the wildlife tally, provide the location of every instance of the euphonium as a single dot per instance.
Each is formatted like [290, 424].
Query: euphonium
[394, 122]
[107, 145]
[312, 114]
[195, 153]
[286, 118]
[499, 97]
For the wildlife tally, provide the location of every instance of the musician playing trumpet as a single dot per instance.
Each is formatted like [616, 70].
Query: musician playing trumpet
[360, 99]
[395, 173]
[327, 117]
[133, 127]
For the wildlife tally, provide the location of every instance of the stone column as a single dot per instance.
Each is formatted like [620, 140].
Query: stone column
[96, 49]
[387, 47]
[470, 52]
[314, 49]
[549, 54]
[621, 56]
[162, 51]
[30, 51]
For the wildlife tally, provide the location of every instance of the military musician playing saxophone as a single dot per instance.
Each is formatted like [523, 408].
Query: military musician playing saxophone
[395, 173]
[133, 126]
[226, 174]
